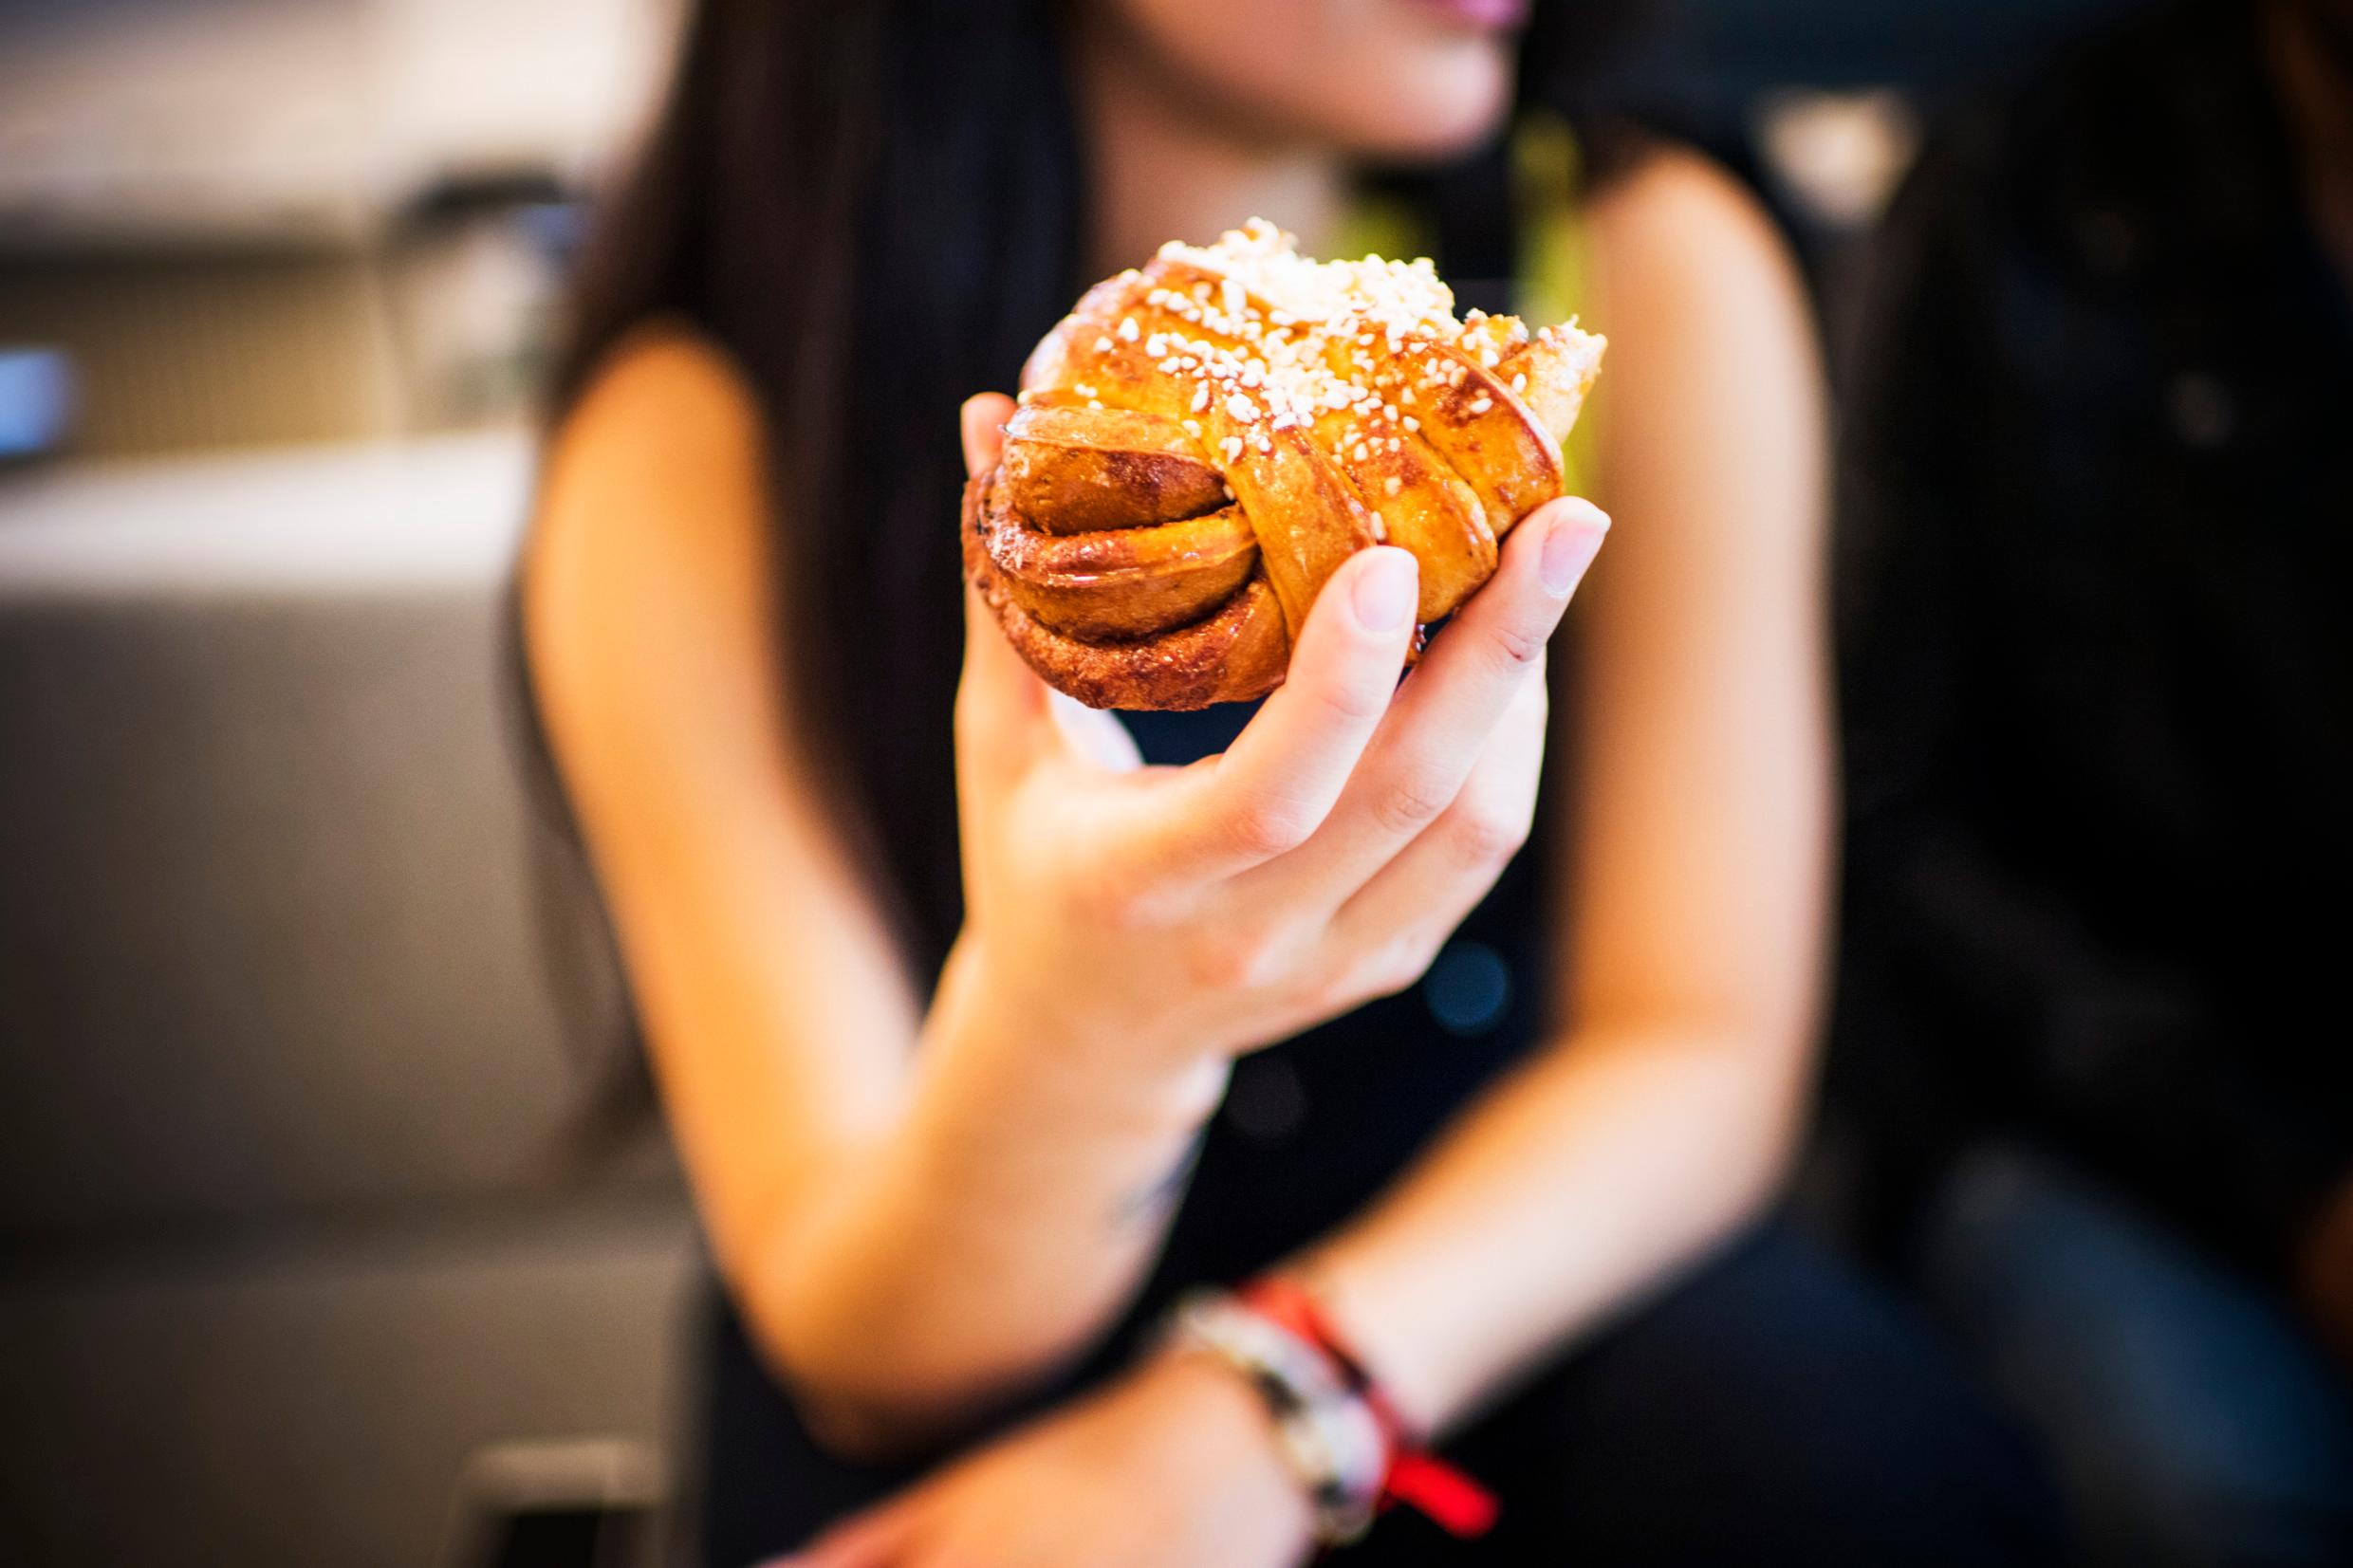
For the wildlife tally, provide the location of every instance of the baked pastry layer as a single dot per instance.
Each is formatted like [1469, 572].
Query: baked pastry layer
[1202, 442]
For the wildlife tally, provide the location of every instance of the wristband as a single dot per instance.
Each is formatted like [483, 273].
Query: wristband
[1449, 1498]
[1337, 1430]
[1330, 1438]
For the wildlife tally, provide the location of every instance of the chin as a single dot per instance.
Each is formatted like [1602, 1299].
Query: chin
[1387, 81]
[1433, 115]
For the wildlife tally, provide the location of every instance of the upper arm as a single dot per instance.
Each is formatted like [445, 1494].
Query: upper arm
[772, 1003]
[1699, 816]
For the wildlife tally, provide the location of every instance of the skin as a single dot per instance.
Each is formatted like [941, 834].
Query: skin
[1196, 103]
[923, 1207]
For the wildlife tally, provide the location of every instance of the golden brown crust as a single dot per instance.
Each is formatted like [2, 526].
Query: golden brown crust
[1193, 460]
[1237, 655]
[1074, 469]
[1119, 584]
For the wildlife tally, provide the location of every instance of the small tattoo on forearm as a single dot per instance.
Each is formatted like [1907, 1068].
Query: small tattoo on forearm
[1150, 1204]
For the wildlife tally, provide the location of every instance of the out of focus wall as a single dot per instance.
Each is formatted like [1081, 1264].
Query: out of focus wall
[222, 347]
[247, 222]
[300, 1005]
[303, 1009]
[205, 120]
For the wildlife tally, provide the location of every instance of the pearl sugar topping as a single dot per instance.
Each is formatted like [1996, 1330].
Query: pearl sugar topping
[1297, 332]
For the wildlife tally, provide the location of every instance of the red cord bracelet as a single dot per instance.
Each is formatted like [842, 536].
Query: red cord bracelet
[1448, 1497]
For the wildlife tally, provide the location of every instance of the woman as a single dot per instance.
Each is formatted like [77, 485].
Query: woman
[946, 1063]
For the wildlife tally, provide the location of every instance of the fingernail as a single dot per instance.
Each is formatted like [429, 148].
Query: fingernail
[1386, 592]
[1569, 550]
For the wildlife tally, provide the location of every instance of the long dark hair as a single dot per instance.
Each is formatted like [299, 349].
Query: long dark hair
[876, 209]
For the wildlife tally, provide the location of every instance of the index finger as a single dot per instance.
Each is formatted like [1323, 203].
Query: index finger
[1267, 793]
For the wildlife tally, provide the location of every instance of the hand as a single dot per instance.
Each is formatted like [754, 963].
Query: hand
[2325, 1272]
[1174, 1467]
[1174, 915]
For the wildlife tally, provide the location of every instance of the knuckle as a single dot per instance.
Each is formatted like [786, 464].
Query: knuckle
[1407, 804]
[1269, 828]
[972, 722]
[1517, 646]
[1397, 964]
[1110, 900]
[1354, 698]
[1235, 958]
[1489, 832]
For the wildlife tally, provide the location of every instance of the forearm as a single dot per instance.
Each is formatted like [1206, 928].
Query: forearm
[1572, 1188]
[982, 1240]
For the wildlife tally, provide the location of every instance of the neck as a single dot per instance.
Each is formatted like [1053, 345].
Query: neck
[1166, 165]
[2312, 71]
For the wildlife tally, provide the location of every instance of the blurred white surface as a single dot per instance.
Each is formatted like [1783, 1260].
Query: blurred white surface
[440, 511]
[136, 122]
[1839, 153]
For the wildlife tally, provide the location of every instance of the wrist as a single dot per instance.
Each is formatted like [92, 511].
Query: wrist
[1373, 1296]
[1336, 1428]
[979, 1013]
[1219, 1413]
[1329, 1437]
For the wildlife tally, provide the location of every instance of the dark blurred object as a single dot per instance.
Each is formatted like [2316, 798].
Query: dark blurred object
[438, 320]
[229, 345]
[2098, 676]
[473, 268]
[576, 1504]
[1816, 102]
[2191, 1418]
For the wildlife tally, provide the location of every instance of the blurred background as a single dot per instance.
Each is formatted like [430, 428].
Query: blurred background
[308, 1252]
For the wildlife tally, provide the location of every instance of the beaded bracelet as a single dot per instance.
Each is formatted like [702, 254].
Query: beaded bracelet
[1452, 1499]
[1336, 1430]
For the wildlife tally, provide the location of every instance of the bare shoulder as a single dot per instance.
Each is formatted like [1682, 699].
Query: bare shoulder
[1678, 229]
[1712, 427]
[1713, 357]
[652, 510]
[663, 451]
[664, 394]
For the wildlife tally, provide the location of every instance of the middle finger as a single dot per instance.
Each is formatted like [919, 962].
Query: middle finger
[1448, 708]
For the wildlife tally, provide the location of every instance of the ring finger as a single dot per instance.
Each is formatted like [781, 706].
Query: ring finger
[1441, 877]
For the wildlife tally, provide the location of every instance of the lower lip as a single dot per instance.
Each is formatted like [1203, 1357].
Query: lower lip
[1496, 15]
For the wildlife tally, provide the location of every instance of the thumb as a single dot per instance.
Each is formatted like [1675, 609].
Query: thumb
[1003, 721]
[983, 422]
[1001, 714]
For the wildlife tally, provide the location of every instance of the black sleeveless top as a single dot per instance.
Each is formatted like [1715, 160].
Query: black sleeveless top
[1310, 1131]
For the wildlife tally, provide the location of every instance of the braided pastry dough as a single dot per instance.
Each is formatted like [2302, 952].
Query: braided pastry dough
[1201, 443]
